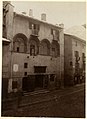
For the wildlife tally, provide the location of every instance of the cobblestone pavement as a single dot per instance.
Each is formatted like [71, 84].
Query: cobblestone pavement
[69, 102]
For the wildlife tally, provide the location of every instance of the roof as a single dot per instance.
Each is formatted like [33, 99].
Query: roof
[77, 31]
[6, 40]
[41, 21]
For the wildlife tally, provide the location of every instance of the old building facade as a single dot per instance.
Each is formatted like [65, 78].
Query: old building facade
[74, 60]
[34, 56]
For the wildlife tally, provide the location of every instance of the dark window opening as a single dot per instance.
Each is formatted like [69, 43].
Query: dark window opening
[30, 25]
[52, 31]
[35, 26]
[71, 63]
[83, 57]
[58, 52]
[52, 77]
[76, 54]
[53, 49]
[25, 73]
[17, 49]
[14, 84]
[32, 50]
[25, 65]
[76, 43]
[40, 69]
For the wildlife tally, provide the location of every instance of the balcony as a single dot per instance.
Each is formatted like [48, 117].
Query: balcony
[34, 32]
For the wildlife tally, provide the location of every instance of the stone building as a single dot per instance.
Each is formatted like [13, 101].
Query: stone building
[33, 55]
[74, 55]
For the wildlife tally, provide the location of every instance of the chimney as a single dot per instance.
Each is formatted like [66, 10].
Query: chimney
[31, 13]
[43, 16]
[61, 25]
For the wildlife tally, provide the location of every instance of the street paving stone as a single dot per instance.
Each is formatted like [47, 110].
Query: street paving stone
[67, 106]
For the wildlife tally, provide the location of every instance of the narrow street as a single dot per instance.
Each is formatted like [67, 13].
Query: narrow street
[66, 103]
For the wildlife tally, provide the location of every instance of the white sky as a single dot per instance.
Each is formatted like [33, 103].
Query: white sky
[69, 13]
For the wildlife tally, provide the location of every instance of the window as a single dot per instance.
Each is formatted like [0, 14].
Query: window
[30, 25]
[25, 65]
[76, 54]
[38, 27]
[39, 69]
[25, 73]
[52, 31]
[71, 63]
[32, 50]
[17, 49]
[52, 77]
[83, 57]
[34, 26]
[14, 84]
[83, 54]
[53, 49]
[76, 43]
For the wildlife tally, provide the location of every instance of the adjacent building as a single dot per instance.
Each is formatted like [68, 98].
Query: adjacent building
[74, 55]
[33, 52]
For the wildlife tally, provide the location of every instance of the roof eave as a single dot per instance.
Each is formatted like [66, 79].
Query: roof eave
[44, 22]
[83, 40]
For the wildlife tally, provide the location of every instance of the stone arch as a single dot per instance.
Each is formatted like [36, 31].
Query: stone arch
[20, 43]
[33, 45]
[45, 47]
[55, 48]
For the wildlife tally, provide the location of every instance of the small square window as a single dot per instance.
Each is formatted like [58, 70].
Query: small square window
[25, 65]
[25, 73]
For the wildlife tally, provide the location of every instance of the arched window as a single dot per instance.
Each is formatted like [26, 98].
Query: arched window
[33, 45]
[55, 48]
[19, 43]
[32, 50]
[45, 47]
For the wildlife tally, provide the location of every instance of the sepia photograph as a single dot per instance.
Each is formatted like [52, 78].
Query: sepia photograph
[43, 59]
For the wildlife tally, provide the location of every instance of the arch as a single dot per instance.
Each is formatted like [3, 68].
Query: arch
[20, 43]
[46, 41]
[45, 47]
[33, 45]
[55, 48]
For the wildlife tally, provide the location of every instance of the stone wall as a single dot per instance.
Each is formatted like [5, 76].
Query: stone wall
[72, 44]
[19, 24]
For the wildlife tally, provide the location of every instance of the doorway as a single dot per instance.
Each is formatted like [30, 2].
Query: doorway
[39, 77]
[39, 81]
[28, 83]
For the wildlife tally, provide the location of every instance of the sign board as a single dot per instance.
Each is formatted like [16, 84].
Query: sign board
[15, 67]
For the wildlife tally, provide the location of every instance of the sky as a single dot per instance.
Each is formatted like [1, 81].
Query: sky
[68, 13]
